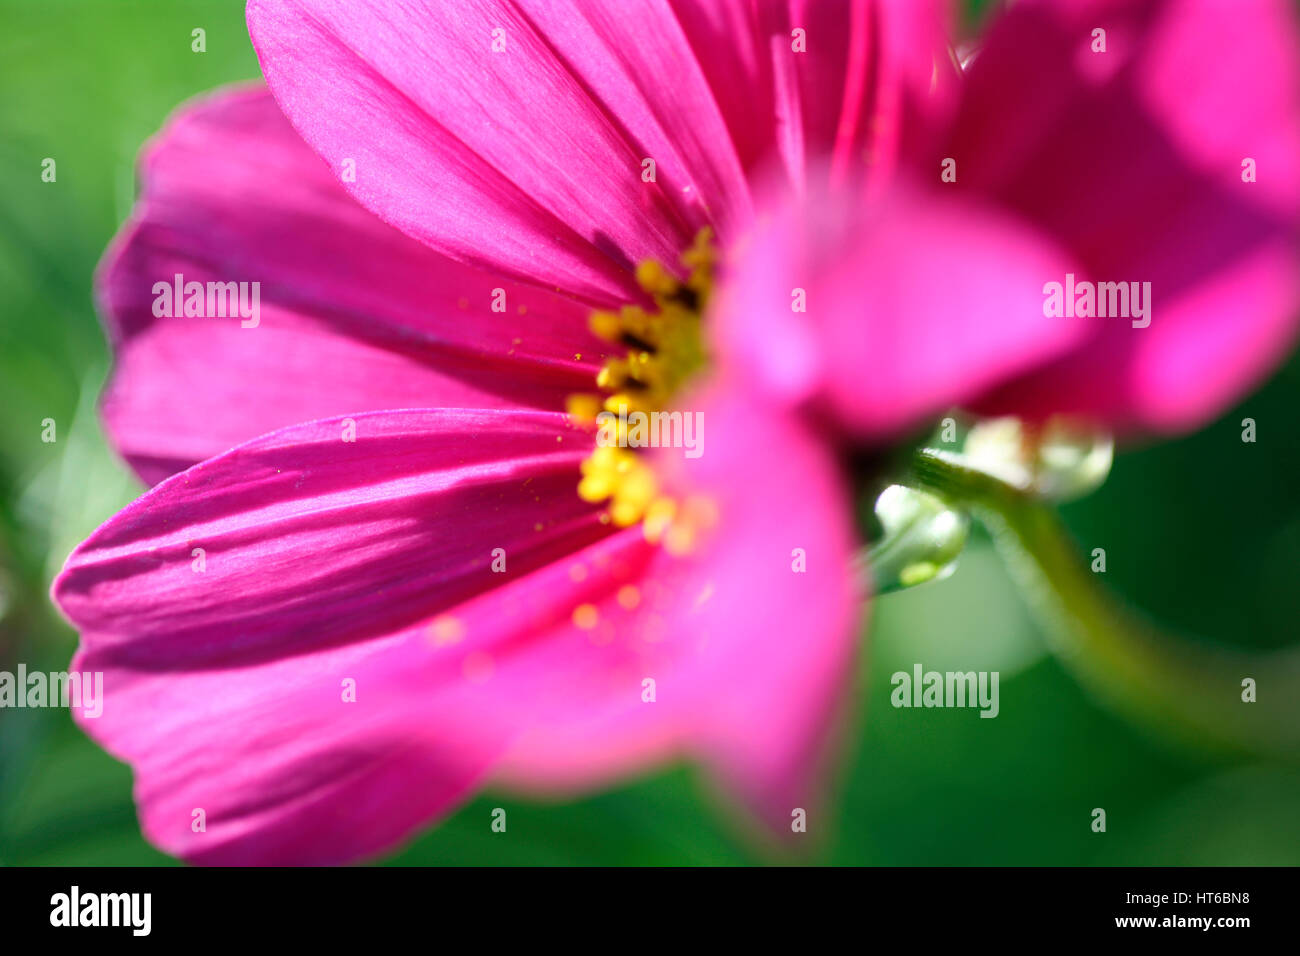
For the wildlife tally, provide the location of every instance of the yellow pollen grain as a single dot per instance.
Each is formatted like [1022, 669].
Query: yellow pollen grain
[654, 278]
[658, 518]
[446, 630]
[606, 325]
[585, 616]
[578, 572]
[583, 407]
[679, 527]
[680, 540]
[628, 597]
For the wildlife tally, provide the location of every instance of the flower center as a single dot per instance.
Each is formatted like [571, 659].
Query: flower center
[664, 348]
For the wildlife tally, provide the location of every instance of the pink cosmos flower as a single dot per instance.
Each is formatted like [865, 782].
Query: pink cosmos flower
[442, 567]
[323, 644]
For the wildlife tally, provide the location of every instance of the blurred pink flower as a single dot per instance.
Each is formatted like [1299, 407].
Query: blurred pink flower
[1118, 166]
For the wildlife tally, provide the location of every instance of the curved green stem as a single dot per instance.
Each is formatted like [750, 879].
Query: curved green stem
[1186, 689]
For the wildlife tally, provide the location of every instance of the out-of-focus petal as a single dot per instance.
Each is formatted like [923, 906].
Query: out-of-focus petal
[887, 311]
[1133, 159]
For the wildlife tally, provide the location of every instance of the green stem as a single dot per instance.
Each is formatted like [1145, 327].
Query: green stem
[1188, 690]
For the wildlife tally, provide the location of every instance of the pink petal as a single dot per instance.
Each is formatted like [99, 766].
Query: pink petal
[324, 560]
[914, 303]
[355, 317]
[779, 641]
[564, 662]
[528, 159]
[1132, 159]
[284, 770]
[301, 525]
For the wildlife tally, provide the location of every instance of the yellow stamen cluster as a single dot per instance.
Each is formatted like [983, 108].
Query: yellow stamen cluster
[663, 349]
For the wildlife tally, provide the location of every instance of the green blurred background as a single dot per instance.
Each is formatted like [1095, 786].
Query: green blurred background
[1203, 534]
